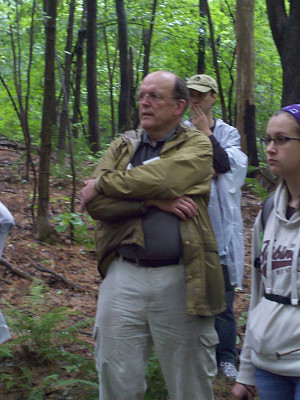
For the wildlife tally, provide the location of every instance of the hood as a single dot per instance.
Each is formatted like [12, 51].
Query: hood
[281, 200]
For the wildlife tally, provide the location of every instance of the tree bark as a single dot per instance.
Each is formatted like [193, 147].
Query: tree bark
[66, 92]
[245, 121]
[79, 50]
[110, 69]
[202, 35]
[286, 33]
[216, 64]
[93, 110]
[124, 101]
[147, 38]
[48, 122]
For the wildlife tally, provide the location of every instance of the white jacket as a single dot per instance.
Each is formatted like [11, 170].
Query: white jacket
[225, 203]
[272, 340]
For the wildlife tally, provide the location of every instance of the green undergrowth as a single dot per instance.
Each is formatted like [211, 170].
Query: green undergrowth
[48, 354]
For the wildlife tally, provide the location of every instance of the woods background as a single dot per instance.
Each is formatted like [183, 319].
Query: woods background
[69, 75]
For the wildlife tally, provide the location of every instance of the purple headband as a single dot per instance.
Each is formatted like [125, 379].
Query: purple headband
[294, 110]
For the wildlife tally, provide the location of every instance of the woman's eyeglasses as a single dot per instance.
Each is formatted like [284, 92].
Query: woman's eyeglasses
[278, 140]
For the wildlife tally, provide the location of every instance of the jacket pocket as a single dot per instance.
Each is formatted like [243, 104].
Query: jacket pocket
[208, 339]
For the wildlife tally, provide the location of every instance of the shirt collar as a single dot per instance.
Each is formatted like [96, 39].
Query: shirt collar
[146, 138]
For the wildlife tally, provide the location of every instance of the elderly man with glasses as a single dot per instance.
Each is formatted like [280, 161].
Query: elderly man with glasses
[163, 282]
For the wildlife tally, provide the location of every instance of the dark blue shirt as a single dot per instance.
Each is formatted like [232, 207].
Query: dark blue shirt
[161, 229]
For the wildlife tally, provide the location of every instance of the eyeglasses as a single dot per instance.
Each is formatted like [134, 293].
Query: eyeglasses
[153, 97]
[279, 140]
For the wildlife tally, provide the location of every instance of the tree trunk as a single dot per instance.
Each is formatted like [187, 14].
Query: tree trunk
[68, 59]
[48, 122]
[110, 69]
[216, 64]
[124, 120]
[202, 35]
[79, 50]
[286, 33]
[245, 122]
[147, 38]
[93, 110]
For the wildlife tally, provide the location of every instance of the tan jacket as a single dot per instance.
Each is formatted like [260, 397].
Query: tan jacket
[184, 168]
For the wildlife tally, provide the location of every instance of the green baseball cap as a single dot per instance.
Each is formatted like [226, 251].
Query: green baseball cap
[202, 83]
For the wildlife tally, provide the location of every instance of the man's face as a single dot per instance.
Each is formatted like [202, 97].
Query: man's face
[158, 110]
[204, 100]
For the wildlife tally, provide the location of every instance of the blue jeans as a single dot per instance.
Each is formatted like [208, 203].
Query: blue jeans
[226, 326]
[277, 387]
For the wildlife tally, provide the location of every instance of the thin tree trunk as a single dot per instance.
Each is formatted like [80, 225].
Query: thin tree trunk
[93, 110]
[216, 64]
[71, 154]
[124, 122]
[48, 122]
[110, 69]
[147, 38]
[66, 82]
[245, 78]
[201, 40]
[79, 50]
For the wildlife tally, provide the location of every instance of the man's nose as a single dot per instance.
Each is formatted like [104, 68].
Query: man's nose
[145, 99]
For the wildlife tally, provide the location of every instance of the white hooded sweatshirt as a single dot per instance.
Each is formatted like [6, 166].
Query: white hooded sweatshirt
[272, 340]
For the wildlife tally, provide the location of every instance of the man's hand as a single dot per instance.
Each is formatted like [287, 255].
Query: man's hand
[88, 193]
[199, 119]
[242, 392]
[184, 207]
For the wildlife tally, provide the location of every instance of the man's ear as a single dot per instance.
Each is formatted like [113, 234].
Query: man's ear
[180, 106]
[214, 96]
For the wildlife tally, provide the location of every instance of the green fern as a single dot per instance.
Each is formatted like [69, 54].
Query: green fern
[43, 339]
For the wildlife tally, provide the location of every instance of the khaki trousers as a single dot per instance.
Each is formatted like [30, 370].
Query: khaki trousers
[137, 307]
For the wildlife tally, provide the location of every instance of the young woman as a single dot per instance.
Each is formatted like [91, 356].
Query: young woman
[270, 359]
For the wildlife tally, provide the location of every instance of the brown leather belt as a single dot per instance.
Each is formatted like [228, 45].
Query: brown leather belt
[151, 263]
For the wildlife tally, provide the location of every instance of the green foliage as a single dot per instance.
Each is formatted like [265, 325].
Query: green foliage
[174, 47]
[155, 381]
[256, 186]
[41, 339]
[80, 225]
[242, 319]
[84, 163]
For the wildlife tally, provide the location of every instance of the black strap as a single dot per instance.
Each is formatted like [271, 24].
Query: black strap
[278, 298]
[266, 209]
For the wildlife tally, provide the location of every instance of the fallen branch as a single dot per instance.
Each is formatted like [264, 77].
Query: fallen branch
[58, 276]
[16, 270]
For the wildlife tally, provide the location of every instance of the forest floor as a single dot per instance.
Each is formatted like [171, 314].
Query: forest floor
[76, 265]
